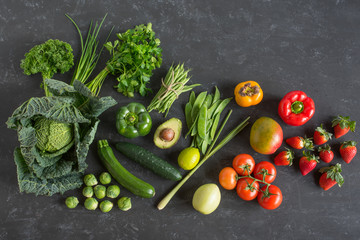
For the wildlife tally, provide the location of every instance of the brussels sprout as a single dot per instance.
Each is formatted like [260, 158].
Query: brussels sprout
[90, 180]
[106, 206]
[100, 191]
[124, 203]
[113, 191]
[105, 178]
[91, 204]
[71, 202]
[88, 192]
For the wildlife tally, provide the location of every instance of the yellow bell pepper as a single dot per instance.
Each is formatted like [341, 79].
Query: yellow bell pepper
[248, 93]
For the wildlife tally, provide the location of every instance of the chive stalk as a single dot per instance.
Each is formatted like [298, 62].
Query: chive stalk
[89, 55]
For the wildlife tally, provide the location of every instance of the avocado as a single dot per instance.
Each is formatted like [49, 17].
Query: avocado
[168, 133]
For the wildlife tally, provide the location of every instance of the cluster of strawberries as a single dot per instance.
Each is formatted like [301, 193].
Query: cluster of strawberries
[330, 175]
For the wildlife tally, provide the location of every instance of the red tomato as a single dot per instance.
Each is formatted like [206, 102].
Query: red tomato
[267, 169]
[271, 199]
[247, 188]
[228, 178]
[244, 164]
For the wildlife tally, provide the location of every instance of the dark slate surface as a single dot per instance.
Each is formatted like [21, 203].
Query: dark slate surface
[312, 46]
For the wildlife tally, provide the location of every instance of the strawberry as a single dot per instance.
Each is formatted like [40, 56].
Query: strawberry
[348, 151]
[307, 162]
[284, 158]
[299, 143]
[342, 125]
[330, 176]
[325, 153]
[321, 136]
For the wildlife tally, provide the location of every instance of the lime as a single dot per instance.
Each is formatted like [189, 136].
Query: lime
[189, 158]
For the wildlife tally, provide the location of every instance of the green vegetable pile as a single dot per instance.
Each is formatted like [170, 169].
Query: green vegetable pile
[54, 134]
[100, 191]
[202, 115]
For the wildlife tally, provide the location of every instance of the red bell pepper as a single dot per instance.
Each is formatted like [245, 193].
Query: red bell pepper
[296, 108]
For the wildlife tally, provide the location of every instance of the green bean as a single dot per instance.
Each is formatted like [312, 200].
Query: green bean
[175, 80]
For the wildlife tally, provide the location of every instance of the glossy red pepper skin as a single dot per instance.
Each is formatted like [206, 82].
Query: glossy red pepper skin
[296, 108]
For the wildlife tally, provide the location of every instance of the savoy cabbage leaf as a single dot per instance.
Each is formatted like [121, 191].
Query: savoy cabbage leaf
[31, 184]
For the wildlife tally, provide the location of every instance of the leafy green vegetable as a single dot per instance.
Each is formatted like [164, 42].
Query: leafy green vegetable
[48, 58]
[134, 55]
[172, 86]
[52, 135]
[52, 169]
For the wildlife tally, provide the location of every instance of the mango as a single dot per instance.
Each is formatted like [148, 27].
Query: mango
[266, 135]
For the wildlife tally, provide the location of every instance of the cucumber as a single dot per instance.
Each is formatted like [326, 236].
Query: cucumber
[149, 160]
[121, 175]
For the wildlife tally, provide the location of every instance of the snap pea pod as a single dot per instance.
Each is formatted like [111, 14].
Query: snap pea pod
[197, 104]
[216, 95]
[202, 121]
[214, 126]
[192, 98]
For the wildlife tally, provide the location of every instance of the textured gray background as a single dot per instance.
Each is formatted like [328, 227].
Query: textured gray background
[284, 45]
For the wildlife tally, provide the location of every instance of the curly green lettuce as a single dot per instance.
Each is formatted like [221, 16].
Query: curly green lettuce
[48, 58]
[48, 169]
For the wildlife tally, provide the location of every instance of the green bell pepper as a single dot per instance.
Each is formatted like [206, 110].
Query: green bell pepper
[133, 120]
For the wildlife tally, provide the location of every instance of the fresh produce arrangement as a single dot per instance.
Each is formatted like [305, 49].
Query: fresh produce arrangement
[56, 131]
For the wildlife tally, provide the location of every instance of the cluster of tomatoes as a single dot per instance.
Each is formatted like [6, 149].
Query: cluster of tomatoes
[252, 181]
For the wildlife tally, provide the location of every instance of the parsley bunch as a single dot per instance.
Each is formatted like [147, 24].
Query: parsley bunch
[134, 55]
[48, 58]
